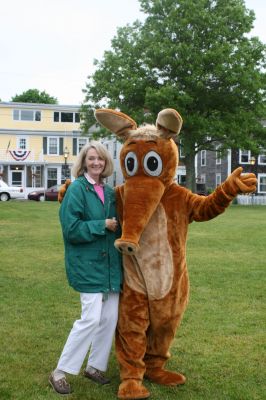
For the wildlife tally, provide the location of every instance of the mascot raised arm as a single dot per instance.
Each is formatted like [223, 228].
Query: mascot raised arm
[154, 214]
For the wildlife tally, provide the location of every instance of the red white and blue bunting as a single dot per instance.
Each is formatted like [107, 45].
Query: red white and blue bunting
[19, 155]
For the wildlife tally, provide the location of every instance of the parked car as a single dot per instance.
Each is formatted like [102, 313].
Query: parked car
[50, 194]
[10, 192]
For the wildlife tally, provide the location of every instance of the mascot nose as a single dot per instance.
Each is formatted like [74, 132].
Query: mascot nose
[126, 247]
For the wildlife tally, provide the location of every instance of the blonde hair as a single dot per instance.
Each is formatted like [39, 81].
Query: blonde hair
[79, 166]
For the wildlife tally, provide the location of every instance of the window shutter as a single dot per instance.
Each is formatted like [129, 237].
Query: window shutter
[44, 145]
[75, 146]
[61, 146]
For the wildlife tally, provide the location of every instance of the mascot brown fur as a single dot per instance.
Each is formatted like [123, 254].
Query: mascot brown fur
[154, 213]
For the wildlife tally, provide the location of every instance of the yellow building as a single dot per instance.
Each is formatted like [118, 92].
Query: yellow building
[38, 143]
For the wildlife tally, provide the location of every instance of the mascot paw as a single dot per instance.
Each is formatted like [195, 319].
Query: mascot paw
[132, 389]
[163, 377]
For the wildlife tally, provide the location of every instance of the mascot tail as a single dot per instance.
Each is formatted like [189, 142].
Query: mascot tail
[63, 190]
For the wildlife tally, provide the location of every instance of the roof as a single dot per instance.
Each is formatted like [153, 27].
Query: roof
[54, 107]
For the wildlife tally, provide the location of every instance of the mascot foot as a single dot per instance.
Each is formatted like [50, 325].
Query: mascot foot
[164, 377]
[132, 389]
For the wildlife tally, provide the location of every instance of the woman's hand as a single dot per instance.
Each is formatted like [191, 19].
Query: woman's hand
[111, 224]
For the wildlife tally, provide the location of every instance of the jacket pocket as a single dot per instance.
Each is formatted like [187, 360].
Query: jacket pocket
[91, 270]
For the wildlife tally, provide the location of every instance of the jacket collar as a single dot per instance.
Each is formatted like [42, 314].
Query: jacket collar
[89, 185]
[91, 180]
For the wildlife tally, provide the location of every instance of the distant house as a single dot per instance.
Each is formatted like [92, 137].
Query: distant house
[212, 168]
[40, 142]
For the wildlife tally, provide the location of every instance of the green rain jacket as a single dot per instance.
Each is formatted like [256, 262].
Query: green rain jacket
[93, 264]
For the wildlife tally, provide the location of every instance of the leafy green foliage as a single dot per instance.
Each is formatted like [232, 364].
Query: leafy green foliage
[195, 57]
[34, 96]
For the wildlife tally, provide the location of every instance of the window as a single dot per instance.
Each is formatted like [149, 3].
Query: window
[202, 178]
[77, 144]
[56, 116]
[262, 158]
[218, 155]
[181, 180]
[218, 179]
[34, 175]
[201, 184]
[181, 149]
[26, 115]
[51, 177]
[115, 150]
[22, 143]
[38, 176]
[244, 156]
[261, 183]
[53, 146]
[16, 178]
[81, 143]
[203, 158]
[16, 115]
[114, 178]
[65, 173]
[66, 117]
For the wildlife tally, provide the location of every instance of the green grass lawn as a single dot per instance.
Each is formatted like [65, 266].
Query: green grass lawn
[220, 346]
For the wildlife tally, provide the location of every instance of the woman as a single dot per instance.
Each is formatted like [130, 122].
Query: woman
[93, 266]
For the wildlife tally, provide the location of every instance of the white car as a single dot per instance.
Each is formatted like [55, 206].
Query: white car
[10, 192]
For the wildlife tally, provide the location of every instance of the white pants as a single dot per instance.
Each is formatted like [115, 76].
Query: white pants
[94, 330]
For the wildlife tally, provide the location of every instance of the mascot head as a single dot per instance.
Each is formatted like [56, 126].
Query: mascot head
[149, 158]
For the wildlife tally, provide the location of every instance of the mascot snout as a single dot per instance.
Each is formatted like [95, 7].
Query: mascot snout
[141, 198]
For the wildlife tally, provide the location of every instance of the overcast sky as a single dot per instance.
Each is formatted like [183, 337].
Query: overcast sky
[51, 44]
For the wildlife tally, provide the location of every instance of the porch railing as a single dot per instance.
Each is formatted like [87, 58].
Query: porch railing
[251, 199]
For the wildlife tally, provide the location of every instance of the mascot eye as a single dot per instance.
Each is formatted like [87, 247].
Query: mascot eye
[153, 164]
[131, 163]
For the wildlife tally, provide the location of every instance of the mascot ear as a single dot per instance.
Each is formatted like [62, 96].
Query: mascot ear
[115, 121]
[169, 122]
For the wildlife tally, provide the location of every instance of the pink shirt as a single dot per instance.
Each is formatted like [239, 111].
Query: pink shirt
[98, 188]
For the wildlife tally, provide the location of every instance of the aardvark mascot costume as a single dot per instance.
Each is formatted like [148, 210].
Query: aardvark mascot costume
[154, 214]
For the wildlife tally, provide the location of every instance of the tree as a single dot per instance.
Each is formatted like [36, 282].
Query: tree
[195, 57]
[34, 96]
